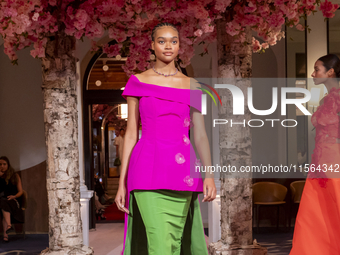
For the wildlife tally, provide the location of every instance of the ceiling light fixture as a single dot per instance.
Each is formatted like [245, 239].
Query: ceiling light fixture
[105, 67]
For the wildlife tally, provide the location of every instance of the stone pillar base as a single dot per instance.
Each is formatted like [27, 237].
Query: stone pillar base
[219, 248]
[75, 250]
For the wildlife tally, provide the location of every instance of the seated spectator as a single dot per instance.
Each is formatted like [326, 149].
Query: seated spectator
[99, 189]
[100, 209]
[11, 201]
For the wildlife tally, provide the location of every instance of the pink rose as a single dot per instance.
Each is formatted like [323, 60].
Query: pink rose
[300, 27]
[198, 33]
[35, 16]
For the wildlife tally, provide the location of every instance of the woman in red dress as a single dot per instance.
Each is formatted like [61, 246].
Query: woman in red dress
[317, 227]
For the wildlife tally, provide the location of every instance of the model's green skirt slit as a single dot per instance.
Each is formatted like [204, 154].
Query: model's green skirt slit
[164, 222]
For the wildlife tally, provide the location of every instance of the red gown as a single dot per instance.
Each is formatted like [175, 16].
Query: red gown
[317, 227]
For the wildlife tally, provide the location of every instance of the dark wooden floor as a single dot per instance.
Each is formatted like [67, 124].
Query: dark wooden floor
[277, 242]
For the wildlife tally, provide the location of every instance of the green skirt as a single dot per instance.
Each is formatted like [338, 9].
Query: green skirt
[164, 222]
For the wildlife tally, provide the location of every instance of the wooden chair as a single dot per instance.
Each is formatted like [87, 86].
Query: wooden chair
[296, 189]
[23, 207]
[268, 194]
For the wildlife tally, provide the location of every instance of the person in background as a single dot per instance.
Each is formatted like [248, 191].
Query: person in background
[100, 209]
[119, 142]
[103, 196]
[11, 201]
[317, 225]
[117, 132]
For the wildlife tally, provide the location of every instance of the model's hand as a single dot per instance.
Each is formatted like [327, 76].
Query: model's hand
[11, 197]
[209, 190]
[120, 199]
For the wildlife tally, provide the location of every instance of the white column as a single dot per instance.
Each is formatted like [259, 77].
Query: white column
[85, 194]
[85, 197]
[316, 48]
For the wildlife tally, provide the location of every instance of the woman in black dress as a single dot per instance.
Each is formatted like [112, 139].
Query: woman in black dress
[11, 199]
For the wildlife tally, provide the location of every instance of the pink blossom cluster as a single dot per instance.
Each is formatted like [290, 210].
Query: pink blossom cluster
[328, 9]
[267, 18]
[99, 111]
[130, 22]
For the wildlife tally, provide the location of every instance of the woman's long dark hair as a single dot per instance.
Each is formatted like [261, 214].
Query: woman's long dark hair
[331, 61]
[10, 174]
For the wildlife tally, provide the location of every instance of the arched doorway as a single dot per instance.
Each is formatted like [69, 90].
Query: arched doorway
[101, 98]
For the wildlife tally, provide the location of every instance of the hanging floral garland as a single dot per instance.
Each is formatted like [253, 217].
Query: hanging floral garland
[130, 22]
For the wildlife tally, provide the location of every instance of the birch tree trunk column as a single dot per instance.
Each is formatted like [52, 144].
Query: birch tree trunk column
[61, 133]
[235, 63]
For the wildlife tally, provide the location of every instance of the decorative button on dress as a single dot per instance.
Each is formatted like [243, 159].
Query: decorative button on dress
[163, 159]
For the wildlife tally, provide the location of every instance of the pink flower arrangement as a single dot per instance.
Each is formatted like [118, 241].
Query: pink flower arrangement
[256, 45]
[328, 9]
[24, 23]
[300, 27]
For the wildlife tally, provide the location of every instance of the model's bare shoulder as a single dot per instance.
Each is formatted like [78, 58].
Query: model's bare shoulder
[145, 76]
[184, 80]
[194, 84]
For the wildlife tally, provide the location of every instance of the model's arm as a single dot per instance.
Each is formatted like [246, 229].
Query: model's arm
[130, 140]
[202, 144]
[19, 187]
[201, 141]
[200, 137]
[203, 149]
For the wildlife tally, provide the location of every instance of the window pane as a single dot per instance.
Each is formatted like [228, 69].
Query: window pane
[334, 34]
